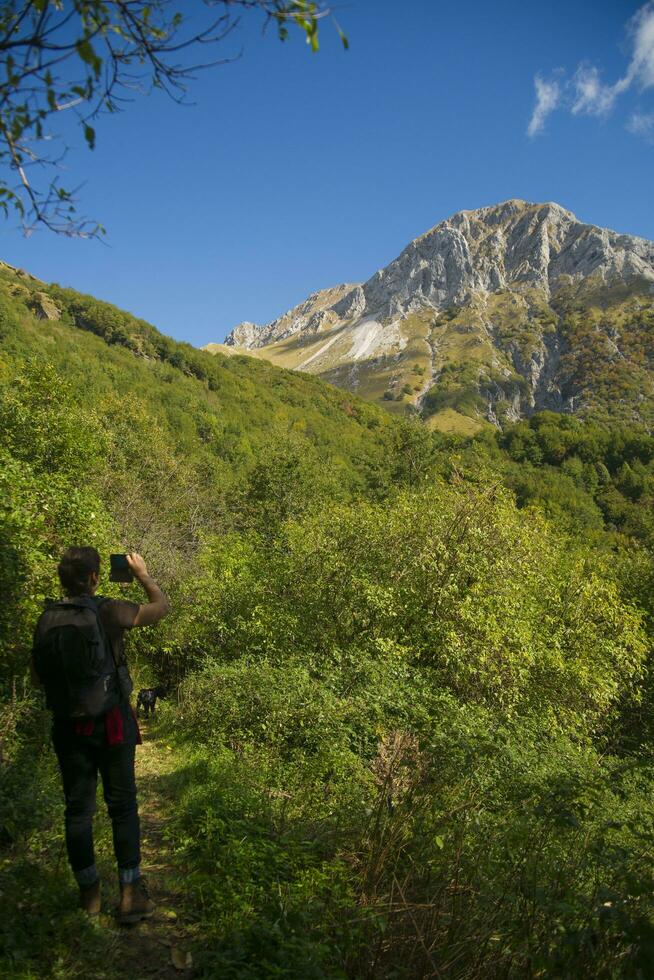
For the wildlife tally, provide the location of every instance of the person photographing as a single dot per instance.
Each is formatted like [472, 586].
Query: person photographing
[78, 657]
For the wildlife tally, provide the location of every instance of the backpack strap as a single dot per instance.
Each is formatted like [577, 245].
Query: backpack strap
[95, 604]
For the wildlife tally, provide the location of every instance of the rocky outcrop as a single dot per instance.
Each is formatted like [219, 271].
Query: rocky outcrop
[44, 307]
[246, 334]
[317, 312]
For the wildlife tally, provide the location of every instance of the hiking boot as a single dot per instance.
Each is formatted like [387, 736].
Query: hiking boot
[135, 903]
[89, 898]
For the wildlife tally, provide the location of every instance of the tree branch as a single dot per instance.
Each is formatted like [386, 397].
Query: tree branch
[80, 58]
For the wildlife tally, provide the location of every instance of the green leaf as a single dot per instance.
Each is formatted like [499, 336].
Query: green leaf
[85, 51]
[87, 54]
[89, 136]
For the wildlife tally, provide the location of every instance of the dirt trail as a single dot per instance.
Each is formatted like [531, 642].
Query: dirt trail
[147, 949]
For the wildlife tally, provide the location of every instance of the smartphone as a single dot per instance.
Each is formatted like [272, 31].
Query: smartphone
[120, 570]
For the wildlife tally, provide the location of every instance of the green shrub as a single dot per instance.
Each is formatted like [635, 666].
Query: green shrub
[458, 584]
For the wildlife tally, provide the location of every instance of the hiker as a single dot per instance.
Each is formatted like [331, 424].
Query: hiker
[78, 658]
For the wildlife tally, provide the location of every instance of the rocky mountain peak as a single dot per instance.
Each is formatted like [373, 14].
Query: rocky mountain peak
[473, 252]
[494, 248]
[245, 334]
[490, 315]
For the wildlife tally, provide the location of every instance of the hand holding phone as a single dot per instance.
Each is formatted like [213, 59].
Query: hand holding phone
[120, 570]
[137, 564]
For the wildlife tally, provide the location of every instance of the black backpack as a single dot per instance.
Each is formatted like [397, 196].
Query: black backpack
[73, 659]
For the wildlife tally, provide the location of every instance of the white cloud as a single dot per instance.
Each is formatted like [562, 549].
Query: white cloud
[585, 93]
[548, 96]
[641, 27]
[641, 125]
[590, 96]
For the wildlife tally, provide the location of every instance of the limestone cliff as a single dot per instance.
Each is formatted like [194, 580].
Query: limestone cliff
[488, 315]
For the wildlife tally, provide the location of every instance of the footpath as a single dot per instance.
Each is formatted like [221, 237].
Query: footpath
[156, 947]
[45, 936]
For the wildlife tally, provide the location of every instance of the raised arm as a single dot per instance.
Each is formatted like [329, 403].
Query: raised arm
[157, 605]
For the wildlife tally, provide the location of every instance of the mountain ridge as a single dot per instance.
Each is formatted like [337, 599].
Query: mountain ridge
[479, 271]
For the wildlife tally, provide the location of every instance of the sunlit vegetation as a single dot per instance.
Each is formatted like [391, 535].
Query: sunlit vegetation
[414, 719]
[587, 349]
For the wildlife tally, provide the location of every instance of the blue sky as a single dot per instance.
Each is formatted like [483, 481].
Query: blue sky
[293, 171]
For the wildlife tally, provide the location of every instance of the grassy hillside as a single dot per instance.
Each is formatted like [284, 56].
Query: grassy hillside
[233, 404]
[412, 725]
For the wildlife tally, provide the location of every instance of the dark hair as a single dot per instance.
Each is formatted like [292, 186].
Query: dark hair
[75, 569]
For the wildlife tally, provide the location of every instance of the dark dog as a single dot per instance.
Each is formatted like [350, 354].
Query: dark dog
[147, 699]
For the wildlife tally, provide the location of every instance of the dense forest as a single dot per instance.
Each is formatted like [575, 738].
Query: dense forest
[413, 705]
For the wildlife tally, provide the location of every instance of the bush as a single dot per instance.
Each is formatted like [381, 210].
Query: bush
[457, 585]
[257, 703]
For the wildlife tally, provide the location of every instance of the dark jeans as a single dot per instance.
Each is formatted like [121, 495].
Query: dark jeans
[80, 759]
